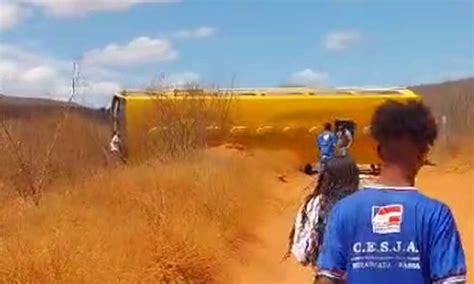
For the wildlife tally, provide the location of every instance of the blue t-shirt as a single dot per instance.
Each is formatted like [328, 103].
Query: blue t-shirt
[326, 143]
[392, 235]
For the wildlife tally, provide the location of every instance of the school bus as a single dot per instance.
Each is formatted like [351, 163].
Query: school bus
[281, 118]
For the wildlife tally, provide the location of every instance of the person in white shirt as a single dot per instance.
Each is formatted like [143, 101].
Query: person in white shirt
[344, 141]
[338, 180]
[115, 143]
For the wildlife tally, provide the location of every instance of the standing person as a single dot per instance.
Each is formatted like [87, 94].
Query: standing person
[344, 141]
[389, 232]
[115, 143]
[326, 143]
[116, 147]
[340, 179]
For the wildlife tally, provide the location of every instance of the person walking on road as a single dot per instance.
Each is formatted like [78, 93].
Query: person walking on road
[389, 232]
[340, 179]
[326, 144]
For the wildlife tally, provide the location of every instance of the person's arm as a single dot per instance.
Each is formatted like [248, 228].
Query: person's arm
[447, 260]
[325, 280]
[332, 260]
[335, 140]
[299, 242]
[349, 138]
[318, 142]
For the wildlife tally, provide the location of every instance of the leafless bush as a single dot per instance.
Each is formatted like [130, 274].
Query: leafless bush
[185, 120]
[30, 161]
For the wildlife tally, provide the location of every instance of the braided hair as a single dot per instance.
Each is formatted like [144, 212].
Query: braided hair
[339, 179]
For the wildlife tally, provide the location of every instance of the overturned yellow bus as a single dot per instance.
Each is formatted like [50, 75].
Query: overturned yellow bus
[282, 118]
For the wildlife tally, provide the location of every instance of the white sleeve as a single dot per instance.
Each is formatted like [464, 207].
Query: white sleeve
[349, 135]
[303, 232]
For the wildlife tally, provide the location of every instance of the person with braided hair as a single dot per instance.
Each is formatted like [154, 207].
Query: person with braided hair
[339, 179]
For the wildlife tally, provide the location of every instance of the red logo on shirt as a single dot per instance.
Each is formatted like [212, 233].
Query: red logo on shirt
[387, 219]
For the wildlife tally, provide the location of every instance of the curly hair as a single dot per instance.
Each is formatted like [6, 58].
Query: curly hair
[413, 121]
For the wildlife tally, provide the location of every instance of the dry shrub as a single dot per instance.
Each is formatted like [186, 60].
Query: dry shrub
[157, 223]
[184, 122]
[31, 157]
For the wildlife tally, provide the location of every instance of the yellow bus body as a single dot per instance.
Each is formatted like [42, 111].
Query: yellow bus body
[283, 118]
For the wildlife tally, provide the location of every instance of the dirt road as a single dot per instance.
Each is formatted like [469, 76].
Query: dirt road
[266, 266]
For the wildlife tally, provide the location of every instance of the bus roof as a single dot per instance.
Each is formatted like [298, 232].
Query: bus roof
[283, 91]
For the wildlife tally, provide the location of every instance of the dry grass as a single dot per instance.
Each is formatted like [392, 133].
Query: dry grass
[156, 223]
[25, 161]
[175, 222]
[96, 222]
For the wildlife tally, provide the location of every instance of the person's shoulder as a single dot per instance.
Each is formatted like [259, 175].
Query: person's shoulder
[434, 206]
[416, 196]
[365, 194]
[351, 201]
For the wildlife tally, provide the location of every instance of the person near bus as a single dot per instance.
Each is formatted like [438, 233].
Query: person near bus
[344, 141]
[390, 232]
[115, 145]
[326, 142]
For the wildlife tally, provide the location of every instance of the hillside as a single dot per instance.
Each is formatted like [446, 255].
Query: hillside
[455, 101]
[20, 107]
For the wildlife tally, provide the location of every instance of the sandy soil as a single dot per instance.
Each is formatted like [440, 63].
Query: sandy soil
[455, 188]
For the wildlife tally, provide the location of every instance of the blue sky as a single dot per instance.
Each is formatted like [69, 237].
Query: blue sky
[128, 44]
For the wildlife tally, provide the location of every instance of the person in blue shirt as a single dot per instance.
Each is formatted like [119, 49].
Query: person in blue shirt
[390, 232]
[326, 142]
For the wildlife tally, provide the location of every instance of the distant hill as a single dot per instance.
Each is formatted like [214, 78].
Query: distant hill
[453, 99]
[20, 107]
[449, 97]
[446, 88]
[21, 101]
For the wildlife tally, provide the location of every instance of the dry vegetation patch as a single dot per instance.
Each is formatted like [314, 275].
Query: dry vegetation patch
[157, 223]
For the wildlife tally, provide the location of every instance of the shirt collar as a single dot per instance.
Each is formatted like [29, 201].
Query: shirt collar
[395, 188]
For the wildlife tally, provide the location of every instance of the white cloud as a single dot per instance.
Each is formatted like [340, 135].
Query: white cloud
[182, 79]
[307, 77]
[39, 74]
[138, 51]
[72, 8]
[29, 74]
[32, 74]
[10, 15]
[12, 12]
[176, 80]
[342, 40]
[200, 32]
